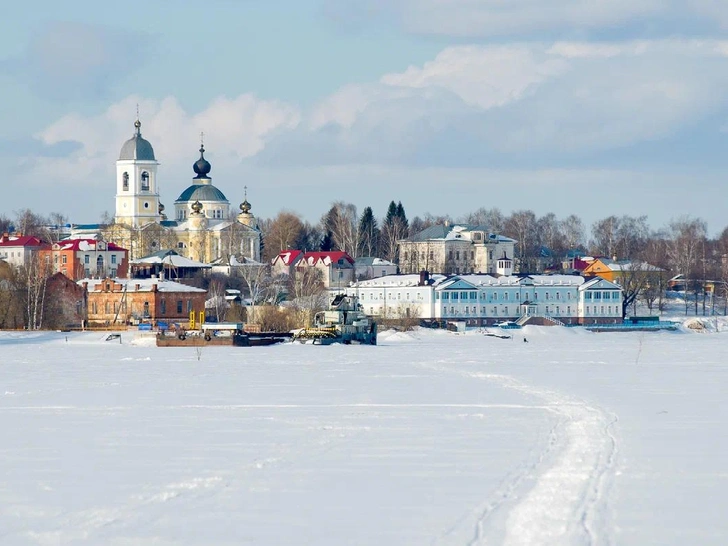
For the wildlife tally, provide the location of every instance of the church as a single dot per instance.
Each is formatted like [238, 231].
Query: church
[202, 228]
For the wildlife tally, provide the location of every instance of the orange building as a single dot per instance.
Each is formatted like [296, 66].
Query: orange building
[85, 258]
[131, 301]
[617, 270]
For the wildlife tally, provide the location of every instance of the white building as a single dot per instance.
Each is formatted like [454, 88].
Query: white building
[17, 250]
[484, 299]
[456, 249]
[369, 267]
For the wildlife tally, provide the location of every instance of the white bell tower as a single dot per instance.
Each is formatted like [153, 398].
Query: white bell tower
[137, 193]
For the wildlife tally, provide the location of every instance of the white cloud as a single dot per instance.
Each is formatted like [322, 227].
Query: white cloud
[565, 98]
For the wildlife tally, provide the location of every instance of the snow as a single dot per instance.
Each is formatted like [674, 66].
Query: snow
[431, 437]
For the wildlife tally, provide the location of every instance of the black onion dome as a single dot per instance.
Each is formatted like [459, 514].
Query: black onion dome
[202, 166]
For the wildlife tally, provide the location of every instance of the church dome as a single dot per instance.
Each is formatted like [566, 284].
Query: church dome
[202, 166]
[201, 192]
[137, 148]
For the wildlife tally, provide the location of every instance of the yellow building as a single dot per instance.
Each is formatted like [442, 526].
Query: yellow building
[203, 227]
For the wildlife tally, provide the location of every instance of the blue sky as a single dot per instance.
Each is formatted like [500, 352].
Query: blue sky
[592, 107]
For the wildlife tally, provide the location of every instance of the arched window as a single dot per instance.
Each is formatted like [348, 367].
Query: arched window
[125, 181]
[100, 266]
[145, 181]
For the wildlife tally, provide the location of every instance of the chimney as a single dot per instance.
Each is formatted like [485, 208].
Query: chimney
[155, 287]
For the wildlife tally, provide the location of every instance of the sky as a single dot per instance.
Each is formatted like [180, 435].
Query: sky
[429, 437]
[586, 107]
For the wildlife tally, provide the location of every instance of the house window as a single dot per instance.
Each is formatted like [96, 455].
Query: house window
[454, 296]
[450, 254]
[163, 306]
[457, 254]
[146, 308]
[64, 259]
[547, 295]
[432, 255]
[113, 258]
[86, 259]
[179, 307]
[145, 181]
[405, 255]
[505, 296]
[189, 306]
[125, 181]
[558, 295]
[107, 308]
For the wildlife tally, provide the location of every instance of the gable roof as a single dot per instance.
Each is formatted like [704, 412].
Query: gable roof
[169, 257]
[598, 283]
[288, 257]
[145, 285]
[327, 257]
[454, 231]
[22, 240]
[86, 245]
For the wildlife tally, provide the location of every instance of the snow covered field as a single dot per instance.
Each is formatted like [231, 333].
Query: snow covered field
[429, 438]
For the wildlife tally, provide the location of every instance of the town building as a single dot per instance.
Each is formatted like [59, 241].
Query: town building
[18, 249]
[115, 301]
[456, 249]
[482, 300]
[369, 267]
[334, 268]
[85, 258]
[620, 270]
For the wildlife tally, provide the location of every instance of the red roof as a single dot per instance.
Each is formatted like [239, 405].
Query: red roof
[327, 258]
[288, 256]
[23, 240]
[86, 245]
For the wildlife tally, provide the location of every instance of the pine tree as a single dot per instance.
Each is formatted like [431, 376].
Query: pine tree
[368, 234]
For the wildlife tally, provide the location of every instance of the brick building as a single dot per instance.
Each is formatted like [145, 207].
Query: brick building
[130, 301]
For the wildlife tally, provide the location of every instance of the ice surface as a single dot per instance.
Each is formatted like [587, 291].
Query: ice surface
[429, 438]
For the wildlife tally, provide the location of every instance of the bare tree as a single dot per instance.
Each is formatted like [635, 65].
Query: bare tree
[492, 219]
[687, 236]
[307, 293]
[342, 222]
[521, 226]
[256, 277]
[34, 277]
[572, 230]
[282, 233]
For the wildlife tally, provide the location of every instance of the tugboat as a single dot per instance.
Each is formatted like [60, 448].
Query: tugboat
[344, 322]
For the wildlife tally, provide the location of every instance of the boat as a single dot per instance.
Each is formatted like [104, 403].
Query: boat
[344, 322]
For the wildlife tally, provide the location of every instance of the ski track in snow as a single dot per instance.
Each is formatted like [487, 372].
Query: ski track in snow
[571, 476]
